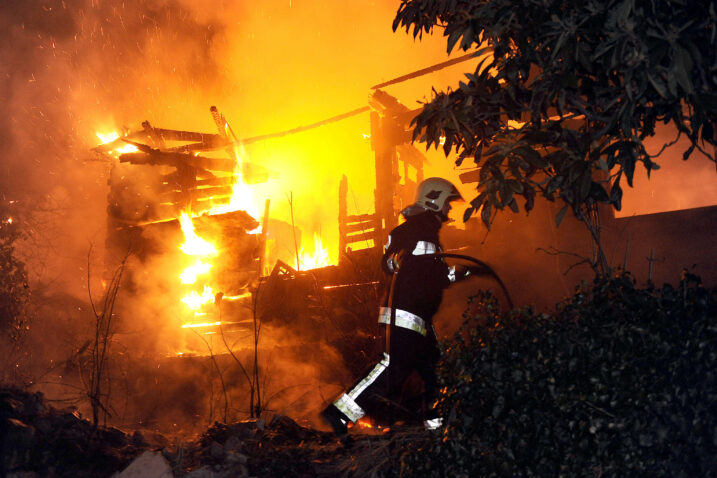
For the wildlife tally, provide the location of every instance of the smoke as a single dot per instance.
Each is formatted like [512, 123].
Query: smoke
[73, 68]
[677, 185]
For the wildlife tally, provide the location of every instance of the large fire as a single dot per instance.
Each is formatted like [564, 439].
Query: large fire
[201, 253]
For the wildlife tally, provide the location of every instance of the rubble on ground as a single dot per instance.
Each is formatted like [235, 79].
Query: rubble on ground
[38, 440]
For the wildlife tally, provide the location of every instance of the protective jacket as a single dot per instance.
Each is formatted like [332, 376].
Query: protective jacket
[420, 276]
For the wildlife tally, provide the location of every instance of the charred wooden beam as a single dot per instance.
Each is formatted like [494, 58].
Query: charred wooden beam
[360, 227]
[156, 157]
[211, 144]
[156, 137]
[386, 104]
[197, 194]
[360, 218]
[412, 156]
[178, 135]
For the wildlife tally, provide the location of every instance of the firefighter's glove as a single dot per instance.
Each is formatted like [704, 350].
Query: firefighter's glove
[458, 273]
[391, 265]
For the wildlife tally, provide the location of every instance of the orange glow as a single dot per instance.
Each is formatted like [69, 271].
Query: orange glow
[319, 257]
[193, 244]
[242, 195]
[236, 297]
[189, 276]
[205, 324]
[200, 248]
[109, 137]
[364, 423]
[195, 300]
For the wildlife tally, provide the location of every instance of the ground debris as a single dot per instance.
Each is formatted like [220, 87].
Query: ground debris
[40, 441]
[282, 448]
[149, 464]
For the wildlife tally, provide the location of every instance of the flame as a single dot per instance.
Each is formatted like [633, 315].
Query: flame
[364, 423]
[189, 276]
[200, 248]
[193, 244]
[319, 258]
[107, 138]
[195, 301]
[242, 196]
[113, 136]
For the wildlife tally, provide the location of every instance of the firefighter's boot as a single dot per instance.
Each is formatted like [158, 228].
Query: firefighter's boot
[336, 419]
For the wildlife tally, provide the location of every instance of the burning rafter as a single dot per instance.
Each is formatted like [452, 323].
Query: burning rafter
[198, 183]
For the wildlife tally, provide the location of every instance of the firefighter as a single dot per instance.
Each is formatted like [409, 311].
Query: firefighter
[413, 295]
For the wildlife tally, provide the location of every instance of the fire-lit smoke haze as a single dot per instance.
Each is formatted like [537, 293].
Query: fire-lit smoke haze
[73, 69]
[678, 184]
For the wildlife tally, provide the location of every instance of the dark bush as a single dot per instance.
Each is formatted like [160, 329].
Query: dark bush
[619, 381]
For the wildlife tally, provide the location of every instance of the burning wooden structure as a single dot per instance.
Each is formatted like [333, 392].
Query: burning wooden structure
[161, 176]
[399, 168]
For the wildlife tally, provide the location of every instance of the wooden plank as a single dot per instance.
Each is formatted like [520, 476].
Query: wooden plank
[343, 208]
[195, 194]
[360, 235]
[359, 226]
[156, 137]
[178, 135]
[179, 159]
[360, 218]
[411, 155]
[386, 104]
[212, 144]
[470, 176]
[223, 181]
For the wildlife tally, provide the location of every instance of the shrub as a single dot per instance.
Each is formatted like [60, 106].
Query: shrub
[618, 381]
[14, 296]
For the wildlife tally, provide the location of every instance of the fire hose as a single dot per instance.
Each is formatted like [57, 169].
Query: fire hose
[480, 269]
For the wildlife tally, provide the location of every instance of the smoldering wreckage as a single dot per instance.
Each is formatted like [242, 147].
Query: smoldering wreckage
[169, 191]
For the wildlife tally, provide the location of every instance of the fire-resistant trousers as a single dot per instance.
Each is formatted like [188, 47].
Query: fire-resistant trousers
[409, 351]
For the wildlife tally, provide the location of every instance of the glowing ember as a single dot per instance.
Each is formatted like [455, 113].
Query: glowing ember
[363, 423]
[320, 257]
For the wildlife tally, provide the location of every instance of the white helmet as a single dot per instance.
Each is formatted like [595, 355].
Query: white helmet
[434, 194]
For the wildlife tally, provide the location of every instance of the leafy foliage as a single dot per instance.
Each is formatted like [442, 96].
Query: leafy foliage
[620, 381]
[566, 93]
[14, 290]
